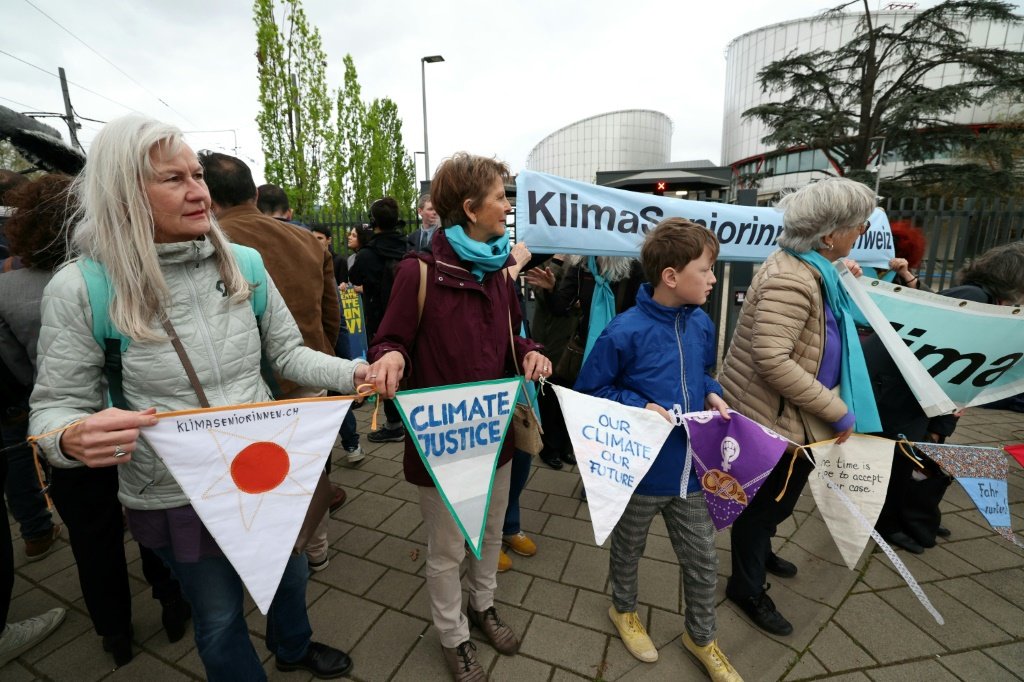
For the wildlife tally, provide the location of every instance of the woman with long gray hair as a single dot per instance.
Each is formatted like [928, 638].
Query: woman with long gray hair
[795, 364]
[173, 276]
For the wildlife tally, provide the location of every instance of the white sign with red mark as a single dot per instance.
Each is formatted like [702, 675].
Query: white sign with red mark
[249, 472]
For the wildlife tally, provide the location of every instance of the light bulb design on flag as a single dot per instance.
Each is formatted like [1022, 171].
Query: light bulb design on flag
[255, 468]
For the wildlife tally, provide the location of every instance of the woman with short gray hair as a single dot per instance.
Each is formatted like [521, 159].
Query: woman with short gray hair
[795, 365]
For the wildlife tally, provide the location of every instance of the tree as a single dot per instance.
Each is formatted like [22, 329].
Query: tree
[346, 177]
[844, 101]
[295, 109]
[389, 168]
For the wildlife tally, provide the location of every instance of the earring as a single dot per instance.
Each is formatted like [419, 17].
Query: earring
[828, 246]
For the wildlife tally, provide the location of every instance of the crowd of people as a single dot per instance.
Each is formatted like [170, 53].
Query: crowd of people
[172, 237]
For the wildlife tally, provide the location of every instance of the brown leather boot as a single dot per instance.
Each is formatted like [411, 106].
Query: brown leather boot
[463, 664]
[500, 635]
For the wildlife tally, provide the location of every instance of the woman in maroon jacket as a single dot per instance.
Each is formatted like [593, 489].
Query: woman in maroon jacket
[463, 336]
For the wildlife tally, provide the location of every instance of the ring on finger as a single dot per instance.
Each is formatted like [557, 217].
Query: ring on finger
[119, 451]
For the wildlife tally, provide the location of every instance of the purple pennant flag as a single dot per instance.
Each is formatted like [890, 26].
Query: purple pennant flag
[732, 458]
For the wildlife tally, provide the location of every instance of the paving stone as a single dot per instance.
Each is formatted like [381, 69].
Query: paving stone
[404, 521]
[369, 509]
[80, 659]
[659, 548]
[921, 566]
[341, 620]
[837, 652]
[860, 616]
[659, 584]
[879, 574]
[419, 605]
[403, 490]
[147, 667]
[1009, 583]
[1010, 656]
[550, 598]
[916, 671]
[566, 676]
[563, 506]
[512, 585]
[532, 522]
[531, 499]
[591, 610]
[814, 537]
[358, 541]
[350, 479]
[377, 484]
[1003, 611]
[382, 466]
[807, 616]
[398, 553]
[569, 529]
[962, 526]
[546, 480]
[426, 661]
[549, 562]
[518, 668]
[985, 553]
[583, 512]
[658, 526]
[564, 645]
[807, 666]
[54, 562]
[385, 644]
[819, 580]
[351, 574]
[76, 625]
[665, 627]
[755, 655]
[974, 666]
[394, 589]
[587, 567]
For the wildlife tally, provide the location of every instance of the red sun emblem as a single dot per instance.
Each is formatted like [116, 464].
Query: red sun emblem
[260, 467]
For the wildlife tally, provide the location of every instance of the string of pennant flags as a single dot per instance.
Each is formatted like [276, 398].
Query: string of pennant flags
[250, 470]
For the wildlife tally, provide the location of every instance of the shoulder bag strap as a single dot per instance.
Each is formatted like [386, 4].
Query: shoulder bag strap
[186, 363]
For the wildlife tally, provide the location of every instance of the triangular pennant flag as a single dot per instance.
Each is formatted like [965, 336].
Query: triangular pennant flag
[860, 468]
[982, 472]
[1017, 452]
[615, 445]
[458, 431]
[732, 458]
[249, 472]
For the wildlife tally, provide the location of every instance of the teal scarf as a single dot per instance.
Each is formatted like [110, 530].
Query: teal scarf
[602, 306]
[484, 257]
[854, 384]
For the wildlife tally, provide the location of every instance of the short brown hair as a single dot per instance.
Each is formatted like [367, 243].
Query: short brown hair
[43, 213]
[463, 176]
[673, 243]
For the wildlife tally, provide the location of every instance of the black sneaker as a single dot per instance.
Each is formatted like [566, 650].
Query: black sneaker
[387, 434]
[322, 661]
[551, 459]
[778, 566]
[761, 610]
[901, 539]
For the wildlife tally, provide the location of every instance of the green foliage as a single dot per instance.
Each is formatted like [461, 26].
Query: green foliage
[336, 153]
[876, 85]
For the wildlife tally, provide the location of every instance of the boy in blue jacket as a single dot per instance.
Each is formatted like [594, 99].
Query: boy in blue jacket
[658, 355]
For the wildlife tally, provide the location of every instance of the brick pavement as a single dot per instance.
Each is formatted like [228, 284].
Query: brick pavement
[371, 600]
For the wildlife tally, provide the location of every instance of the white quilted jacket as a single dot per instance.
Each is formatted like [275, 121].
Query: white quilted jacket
[221, 339]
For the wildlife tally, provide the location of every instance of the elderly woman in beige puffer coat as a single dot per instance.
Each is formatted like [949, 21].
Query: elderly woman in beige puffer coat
[793, 365]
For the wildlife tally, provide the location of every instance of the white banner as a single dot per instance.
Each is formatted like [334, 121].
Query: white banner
[860, 468]
[458, 431]
[249, 472]
[953, 353]
[615, 445]
[556, 215]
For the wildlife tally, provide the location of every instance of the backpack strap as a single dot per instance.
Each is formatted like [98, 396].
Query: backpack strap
[421, 295]
[107, 336]
[250, 262]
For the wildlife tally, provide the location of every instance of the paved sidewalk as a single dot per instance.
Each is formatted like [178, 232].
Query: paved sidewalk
[371, 600]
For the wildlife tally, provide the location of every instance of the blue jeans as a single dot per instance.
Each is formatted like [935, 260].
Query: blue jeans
[520, 472]
[214, 590]
[28, 506]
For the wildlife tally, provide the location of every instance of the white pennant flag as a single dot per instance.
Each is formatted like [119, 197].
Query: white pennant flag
[860, 468]
[615, 445]
[458, 431]
[249, 471]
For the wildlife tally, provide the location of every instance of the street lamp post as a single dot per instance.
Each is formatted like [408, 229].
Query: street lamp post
[423, 81]
[878, 164]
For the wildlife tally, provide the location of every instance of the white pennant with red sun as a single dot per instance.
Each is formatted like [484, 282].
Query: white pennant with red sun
[249, 472]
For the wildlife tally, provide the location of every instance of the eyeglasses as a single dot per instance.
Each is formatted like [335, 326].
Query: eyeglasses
[865, 227]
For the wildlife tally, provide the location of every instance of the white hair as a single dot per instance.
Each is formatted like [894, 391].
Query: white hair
[116, 223]
[822, 207]
[612, 268]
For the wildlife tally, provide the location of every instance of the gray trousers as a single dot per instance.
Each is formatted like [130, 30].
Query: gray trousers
[693, 539]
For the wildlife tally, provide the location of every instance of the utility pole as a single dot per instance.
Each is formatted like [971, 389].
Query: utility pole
[69, 114]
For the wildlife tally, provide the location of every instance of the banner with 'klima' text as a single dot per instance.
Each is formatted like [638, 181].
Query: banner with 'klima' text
[556, 215]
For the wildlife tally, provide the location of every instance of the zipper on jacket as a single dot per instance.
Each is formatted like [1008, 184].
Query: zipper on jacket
[682, 363]
[204, 330]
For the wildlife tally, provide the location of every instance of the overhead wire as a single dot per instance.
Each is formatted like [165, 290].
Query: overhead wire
[101, 56]
[71, 82]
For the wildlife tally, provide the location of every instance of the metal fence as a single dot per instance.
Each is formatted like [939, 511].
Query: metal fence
[339, 223]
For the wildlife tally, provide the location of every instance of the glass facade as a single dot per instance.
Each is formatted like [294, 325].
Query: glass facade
[751, 52]
[619, 140]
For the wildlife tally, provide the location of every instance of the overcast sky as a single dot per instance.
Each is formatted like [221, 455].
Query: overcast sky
[514, 71]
